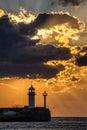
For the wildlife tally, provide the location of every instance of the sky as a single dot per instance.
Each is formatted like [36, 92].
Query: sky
[43, 42]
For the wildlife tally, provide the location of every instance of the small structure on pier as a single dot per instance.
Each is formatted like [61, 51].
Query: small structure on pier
[44, 95]
[31, 97]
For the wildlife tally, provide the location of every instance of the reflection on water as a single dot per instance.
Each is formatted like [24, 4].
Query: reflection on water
[55, 124]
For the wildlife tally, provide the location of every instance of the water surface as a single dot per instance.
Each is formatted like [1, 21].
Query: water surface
[58, 123]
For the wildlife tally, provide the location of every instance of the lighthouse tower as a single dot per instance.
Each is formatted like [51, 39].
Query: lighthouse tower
[45, 94]
[31, 97]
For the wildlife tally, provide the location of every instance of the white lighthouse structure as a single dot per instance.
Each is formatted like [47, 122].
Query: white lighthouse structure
[31, 97]
[45, 95]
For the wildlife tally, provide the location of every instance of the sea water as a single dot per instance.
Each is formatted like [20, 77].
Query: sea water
[58, 123]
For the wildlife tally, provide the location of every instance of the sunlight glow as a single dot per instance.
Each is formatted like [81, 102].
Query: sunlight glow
[23, 16]
[61, 33]
[1, 12]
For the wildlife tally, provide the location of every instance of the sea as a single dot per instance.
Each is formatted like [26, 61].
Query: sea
[56, 123]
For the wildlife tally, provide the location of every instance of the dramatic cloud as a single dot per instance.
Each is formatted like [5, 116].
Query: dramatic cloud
[53, 27]
[48, 27]
[73, 2]
[81, 58]
[10, 36]
[22, 48]
[48, 20]
[19, 53]
[29, 70]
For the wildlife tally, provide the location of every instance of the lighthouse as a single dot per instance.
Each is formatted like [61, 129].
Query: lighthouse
[31, 97]
[44, 95]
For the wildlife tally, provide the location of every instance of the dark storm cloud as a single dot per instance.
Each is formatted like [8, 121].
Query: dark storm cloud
[46, 20]
[29, 60]
[19, 55]
[32, 70]
[37, 54]
[10, 35]
[73, 2]
[81, 58]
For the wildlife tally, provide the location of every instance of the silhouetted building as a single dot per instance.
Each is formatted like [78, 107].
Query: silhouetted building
[44, 94]
[31, 97]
